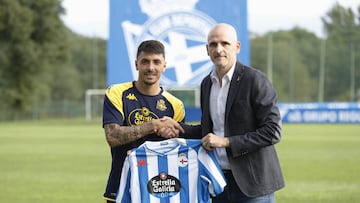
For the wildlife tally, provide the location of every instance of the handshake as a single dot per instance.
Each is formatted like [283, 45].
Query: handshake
[167, 127]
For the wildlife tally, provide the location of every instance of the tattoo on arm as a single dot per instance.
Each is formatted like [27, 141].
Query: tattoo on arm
[119, 135]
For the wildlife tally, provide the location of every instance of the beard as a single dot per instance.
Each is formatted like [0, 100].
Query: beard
[149, 83]
[221, 64]
[150, 79]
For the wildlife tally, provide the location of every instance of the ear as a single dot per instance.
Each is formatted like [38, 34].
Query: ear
[164, 69]
[136, 65]
[238, 46]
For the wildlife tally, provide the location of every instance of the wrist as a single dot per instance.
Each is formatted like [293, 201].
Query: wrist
[155, 126]
[227, 142]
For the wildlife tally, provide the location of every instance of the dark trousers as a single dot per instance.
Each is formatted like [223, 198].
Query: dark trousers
[232, 193]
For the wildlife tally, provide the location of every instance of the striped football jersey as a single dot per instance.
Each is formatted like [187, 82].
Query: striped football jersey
[173, 171]
[126, 106]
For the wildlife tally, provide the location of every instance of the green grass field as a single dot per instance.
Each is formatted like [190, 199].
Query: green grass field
[68, 161]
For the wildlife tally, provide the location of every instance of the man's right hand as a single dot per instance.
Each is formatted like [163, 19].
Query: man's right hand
[167, 127]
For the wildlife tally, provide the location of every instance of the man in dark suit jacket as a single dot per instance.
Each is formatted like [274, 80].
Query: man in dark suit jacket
[240, 122]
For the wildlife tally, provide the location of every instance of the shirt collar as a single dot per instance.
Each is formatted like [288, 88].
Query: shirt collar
[229, 74]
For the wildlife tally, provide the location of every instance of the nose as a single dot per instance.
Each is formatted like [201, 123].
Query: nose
[152, 65]
[219, 48]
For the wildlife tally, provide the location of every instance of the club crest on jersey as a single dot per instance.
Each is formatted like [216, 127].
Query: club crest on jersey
[140, 116]
[163, 185]
[183, 161]
[160, 104]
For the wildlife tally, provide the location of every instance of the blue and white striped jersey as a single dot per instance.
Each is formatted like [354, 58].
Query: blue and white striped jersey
[172, 171]
[126, 106]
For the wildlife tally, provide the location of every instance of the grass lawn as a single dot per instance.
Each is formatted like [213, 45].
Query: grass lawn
[53, 161]
[321, 163]
[68, 161]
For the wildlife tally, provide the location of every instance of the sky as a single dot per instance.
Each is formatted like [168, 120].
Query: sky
[91, 17]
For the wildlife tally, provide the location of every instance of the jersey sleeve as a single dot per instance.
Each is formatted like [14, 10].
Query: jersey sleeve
[211, 174]
[113, 111]
[123, 194]
[110, 113]
[178, 106]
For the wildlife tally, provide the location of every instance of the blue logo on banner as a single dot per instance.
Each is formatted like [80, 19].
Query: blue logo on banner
[332, 112]
[181, 25]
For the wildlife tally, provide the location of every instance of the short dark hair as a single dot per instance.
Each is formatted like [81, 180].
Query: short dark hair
[151, 46]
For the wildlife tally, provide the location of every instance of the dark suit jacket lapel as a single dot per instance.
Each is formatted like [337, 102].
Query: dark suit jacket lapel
[205, 105]
[234, 88]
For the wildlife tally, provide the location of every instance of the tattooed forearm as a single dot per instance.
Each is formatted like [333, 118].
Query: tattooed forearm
[146, 128]
[119, 135]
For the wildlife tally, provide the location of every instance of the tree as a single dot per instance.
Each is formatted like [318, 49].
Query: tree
[294, 60]
[33, 41]
[343, 39]
[341, 25]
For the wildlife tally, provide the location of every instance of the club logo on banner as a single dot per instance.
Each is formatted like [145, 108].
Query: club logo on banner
[182, 26]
